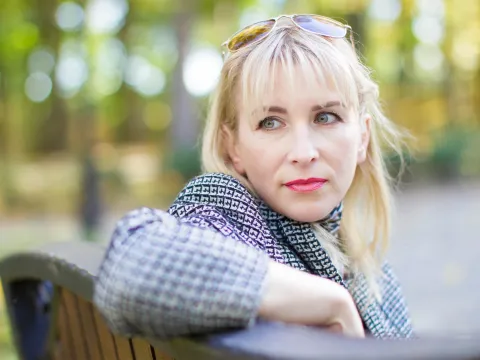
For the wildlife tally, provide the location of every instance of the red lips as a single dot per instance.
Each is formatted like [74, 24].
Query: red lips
[306, 185]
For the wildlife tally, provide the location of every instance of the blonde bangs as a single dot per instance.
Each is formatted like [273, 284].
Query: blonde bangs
[288, 57]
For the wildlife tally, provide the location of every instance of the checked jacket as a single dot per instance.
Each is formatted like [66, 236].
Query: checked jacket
[200, 266]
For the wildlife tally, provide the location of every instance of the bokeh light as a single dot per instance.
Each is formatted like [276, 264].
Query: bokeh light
[163, 45]
[72, 70]
[428, 29]
[465, 54]
[69, 16]
[38, 87]
[41, 60]
[110, 61]
[429, 58]
[106, 16]
[431, 7]
[385, 10]
[144, 77]
[201, 71]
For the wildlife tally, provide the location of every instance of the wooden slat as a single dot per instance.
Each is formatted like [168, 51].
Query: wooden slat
[79, 344]
[160, 355]
[142, 349]
[64, 347]
[57, 353]
[54, 344]
[91, 337]
[124, 351]
[107, 344]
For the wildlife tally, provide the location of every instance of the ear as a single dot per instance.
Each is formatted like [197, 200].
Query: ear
[365, 123]
[231, 147]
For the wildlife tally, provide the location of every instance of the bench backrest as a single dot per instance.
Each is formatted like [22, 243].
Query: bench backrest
[49, 302]
[49, 291]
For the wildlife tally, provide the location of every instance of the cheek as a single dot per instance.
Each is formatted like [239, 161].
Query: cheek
[344, 157]
[258, 153]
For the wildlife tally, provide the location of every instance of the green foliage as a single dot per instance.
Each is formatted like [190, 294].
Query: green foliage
[185, 161]
[449, 149]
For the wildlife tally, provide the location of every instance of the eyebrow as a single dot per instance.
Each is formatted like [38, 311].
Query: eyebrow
[280, 110]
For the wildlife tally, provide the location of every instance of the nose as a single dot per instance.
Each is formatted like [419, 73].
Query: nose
[304, 149]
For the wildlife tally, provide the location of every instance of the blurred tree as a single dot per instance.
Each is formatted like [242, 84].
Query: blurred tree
[49, 119]
[127, 100]
[162, 35]
[186, 124]
[17, 37]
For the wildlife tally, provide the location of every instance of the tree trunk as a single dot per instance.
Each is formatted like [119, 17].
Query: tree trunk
[185, 124]
[52, 127]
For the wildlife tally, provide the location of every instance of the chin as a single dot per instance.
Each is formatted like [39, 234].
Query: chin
[307, 214]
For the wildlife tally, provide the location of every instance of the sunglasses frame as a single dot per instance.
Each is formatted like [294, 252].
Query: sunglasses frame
[348, 29]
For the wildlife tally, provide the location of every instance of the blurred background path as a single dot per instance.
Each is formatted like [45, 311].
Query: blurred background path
[436, 250]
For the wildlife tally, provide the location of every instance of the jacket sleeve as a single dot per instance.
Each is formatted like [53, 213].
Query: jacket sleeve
[163, 276]
[394, 304]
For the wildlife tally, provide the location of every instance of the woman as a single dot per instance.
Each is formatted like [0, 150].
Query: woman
[291, 218]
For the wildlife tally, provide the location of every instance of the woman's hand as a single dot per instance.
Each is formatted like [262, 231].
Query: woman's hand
[293, 296]
[349, 322]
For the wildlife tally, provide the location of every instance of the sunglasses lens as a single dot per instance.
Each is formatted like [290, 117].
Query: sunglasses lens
[250, 34]
[320, 26]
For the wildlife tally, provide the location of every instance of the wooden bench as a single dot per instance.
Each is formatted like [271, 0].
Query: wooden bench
[48, 292]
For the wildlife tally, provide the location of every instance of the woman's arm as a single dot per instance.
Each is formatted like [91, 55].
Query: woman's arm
[163, 277]
[293, 296]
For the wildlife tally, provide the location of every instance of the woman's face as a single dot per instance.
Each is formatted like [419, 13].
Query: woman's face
[300, 155]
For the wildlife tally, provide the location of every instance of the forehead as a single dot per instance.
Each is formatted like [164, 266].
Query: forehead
[301, 87]
[290, 89]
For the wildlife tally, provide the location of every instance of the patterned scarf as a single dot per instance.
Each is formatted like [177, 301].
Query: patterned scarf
[331, 222]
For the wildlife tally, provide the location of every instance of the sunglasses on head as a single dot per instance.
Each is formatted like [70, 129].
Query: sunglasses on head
[315, 24]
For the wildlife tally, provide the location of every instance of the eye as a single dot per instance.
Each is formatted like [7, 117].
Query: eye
[327, 118]
[269, 123]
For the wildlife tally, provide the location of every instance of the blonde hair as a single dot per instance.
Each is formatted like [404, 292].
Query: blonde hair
[250, 72]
